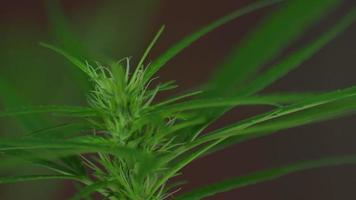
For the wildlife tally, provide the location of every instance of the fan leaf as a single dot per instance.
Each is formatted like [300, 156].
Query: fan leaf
[58, 110]
[306, 104]
[265, 175]
[188, 40]
[76, 62]
[267, 41]
[17, 179]
[295, 59]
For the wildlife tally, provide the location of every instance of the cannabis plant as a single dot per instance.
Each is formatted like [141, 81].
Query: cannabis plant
[126, 145]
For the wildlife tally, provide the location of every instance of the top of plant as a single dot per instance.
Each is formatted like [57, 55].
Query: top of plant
[128, 145]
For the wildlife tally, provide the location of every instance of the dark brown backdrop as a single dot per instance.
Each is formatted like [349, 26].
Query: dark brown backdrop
[331, 68]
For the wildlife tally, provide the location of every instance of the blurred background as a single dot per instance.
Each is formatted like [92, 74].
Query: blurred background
[101, 29]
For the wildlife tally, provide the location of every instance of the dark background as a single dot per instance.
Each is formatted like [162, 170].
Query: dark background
[125, 29]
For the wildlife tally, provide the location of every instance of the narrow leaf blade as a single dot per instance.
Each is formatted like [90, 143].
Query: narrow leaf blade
[76, 62]
[267, 42]
[53, 109]
[185, 42]
[297, 58]
[265, 175]
[17, 179]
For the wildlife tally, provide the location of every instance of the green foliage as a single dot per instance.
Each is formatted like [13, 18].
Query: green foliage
[125, 145]
[265, 175]
[11, 99]
[58, 110]
[297, 58]
[269, 39]
[185, 42]
[16, 179]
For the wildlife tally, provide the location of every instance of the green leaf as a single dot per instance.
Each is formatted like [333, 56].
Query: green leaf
[58, 148]
[297, 58]
[61, 130]
[179, 165]
[267, 41]
[29, 123]
[45, 155]
[212, 140]
[265, 175]
[58, 110]
[11, 98]
[52, 159]
[185, 42]
[274, 100]
[246, 66]
[208, 104]
[76, 62]
[317, 114]
[87, 190]
[59, 168]
[150, 46]
[180, 126]
[21, 157]
[177, 98]
[139, 66]
[65, 38]
[17, 179]
[67, 147]
[310, 103]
